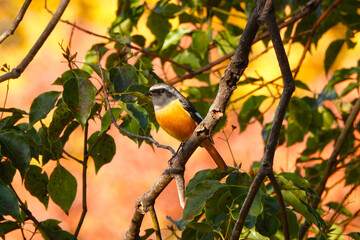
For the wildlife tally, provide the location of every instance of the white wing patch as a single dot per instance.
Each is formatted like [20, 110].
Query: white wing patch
[198, 115]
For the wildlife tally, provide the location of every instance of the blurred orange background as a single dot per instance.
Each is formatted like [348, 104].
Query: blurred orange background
[113, 191]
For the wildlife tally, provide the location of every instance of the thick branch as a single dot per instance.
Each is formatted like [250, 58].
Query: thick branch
[10, 31]
[16, 72]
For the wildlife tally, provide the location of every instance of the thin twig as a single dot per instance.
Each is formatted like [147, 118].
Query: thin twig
[84, 183]
[309, 8]
[313, 30]
[155, 222]
[6, 97]
[340, 207]
[331, 163]
[127, 44]
[72, 157]
[10, 31]
[38, 224]
[16, 72]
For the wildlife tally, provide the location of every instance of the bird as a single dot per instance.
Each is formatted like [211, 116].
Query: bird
[178, 117]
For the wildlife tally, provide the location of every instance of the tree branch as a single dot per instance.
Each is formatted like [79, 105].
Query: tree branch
[16, 72]
[10, 31]
[266, 167]
[84, 183]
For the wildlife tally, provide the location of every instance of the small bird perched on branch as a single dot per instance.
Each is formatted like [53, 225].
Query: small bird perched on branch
[179, 118]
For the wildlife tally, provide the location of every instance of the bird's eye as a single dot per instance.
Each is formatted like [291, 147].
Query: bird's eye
[162, 91]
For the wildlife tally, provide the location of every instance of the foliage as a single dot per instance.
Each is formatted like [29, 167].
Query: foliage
[214, 199]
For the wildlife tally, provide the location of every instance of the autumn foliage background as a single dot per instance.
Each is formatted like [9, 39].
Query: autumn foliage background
[114, 189]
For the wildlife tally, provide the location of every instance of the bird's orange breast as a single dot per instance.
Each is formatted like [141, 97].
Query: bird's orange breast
[176, 121]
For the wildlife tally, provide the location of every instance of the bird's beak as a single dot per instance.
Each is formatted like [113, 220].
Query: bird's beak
[147, 94]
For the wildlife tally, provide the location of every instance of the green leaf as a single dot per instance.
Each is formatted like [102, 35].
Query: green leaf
[267, 225]
[266, 133]
[53, 226]
[354, 235]
[8, 226]
[106, 119]
[352, 173]
[239, 183]
[200, 226]
[188, 59]
[332, 52]
[10, 121]
[15, 147]
[226, 42]
[302, 85]
[328, 93]
[337, 207]
[8, 202]
[250, 109]
[300, 112]
[68, 130]
[159, 26]
[79, 95]
[92, 56]
[148, 233]
[217, 205]
[42, 105]
[293, 224]
[256, 207]
[7, 171]
[295, 133]
[173, 37]
[200, 43]
[36, 183]
[131, 125]
[71, 74]
[198, 196]
[137, 113]
[294, 190]
[61, 117]
[349, 88]
[138, 40]
[207, 174]
[62, 188]
[122, 78]
[102, 148]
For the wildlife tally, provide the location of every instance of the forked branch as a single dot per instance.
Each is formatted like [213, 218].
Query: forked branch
[217, 110]
[266, 168]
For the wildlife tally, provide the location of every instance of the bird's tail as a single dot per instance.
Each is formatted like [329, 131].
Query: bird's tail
[207, 144]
